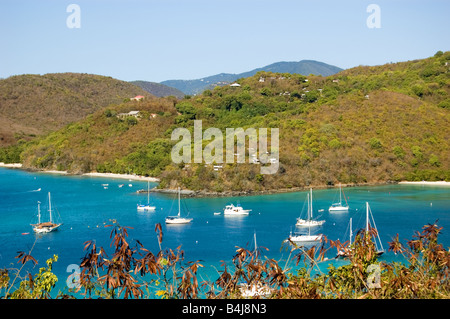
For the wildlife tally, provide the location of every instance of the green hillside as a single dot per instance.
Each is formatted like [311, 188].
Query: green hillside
[32, 104]
[362, 125]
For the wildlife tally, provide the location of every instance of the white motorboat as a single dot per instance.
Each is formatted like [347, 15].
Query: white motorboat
[235, 210]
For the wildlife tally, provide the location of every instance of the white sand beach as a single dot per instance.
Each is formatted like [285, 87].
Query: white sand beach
[123, 176]
[437, 183]
[11, 165]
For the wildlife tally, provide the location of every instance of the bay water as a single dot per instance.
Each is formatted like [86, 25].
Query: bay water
[86, 205]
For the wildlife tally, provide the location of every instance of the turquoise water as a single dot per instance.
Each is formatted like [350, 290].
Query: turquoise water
[85, 207]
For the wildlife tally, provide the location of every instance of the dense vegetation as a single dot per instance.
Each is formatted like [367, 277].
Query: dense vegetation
[362, 125]
[32, 104]
[132, 271]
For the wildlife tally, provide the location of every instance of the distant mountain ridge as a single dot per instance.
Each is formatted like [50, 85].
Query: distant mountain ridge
[158, 89]
[304, 67]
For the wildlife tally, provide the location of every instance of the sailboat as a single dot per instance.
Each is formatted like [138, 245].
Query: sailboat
[376, 240]
[45, 227]
[339, 207]
[256, 288]
[147, 206]
[309, 222]
[344, 253]
[178, 219]
[303, 238]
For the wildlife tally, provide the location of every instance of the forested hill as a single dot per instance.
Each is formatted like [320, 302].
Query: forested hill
[368, 124]
[33, 104]
[304, 67]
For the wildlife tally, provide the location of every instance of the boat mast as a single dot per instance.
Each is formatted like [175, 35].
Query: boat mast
[39, 212]
[256, 246]
[351, 232]
[178, 202]
[148, 192]
[367, 217]
[50, 207]
[309, 225]
[340, 194]
[311, 214]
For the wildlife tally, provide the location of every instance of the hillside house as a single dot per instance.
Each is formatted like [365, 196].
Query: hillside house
[131, 113]
[137, 98]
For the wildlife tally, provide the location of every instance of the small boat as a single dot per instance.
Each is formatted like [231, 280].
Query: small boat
[300, 238]
[345, 252]
[235, 210]
[309, 222]
[217, 213]
[339, 207]
[45, 227]
[376, 239]
[256, 288]
[146, 207]
[178, 219]
[306, 238]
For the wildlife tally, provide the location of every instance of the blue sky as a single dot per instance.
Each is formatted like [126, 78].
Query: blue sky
[158, 40]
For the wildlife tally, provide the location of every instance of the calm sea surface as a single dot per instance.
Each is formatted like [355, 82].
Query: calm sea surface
[85, 206]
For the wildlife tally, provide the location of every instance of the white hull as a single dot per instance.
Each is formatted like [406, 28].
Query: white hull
[338, 209]
[305, 238]
[235, 210]
[45, 229]
[146, 208]
[248, 291]
[242, 212]
[309, 223]
[178, 220]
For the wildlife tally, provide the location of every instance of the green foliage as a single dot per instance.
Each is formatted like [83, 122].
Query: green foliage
[445, 104]
[127, 269]
[375, 143]
[398, 152]
[434, 160]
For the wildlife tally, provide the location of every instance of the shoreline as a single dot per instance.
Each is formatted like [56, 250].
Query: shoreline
[122, 176]
[436, 183]
[11, 165]
[92, 174]
[205, 193]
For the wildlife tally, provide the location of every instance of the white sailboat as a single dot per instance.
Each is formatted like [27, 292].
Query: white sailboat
[178, 219]
[309, 222]
[370, 222]
[306, 238]
[48, 226]
[146, 207]
[235, 210]
[301, 238]
[339, 207]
